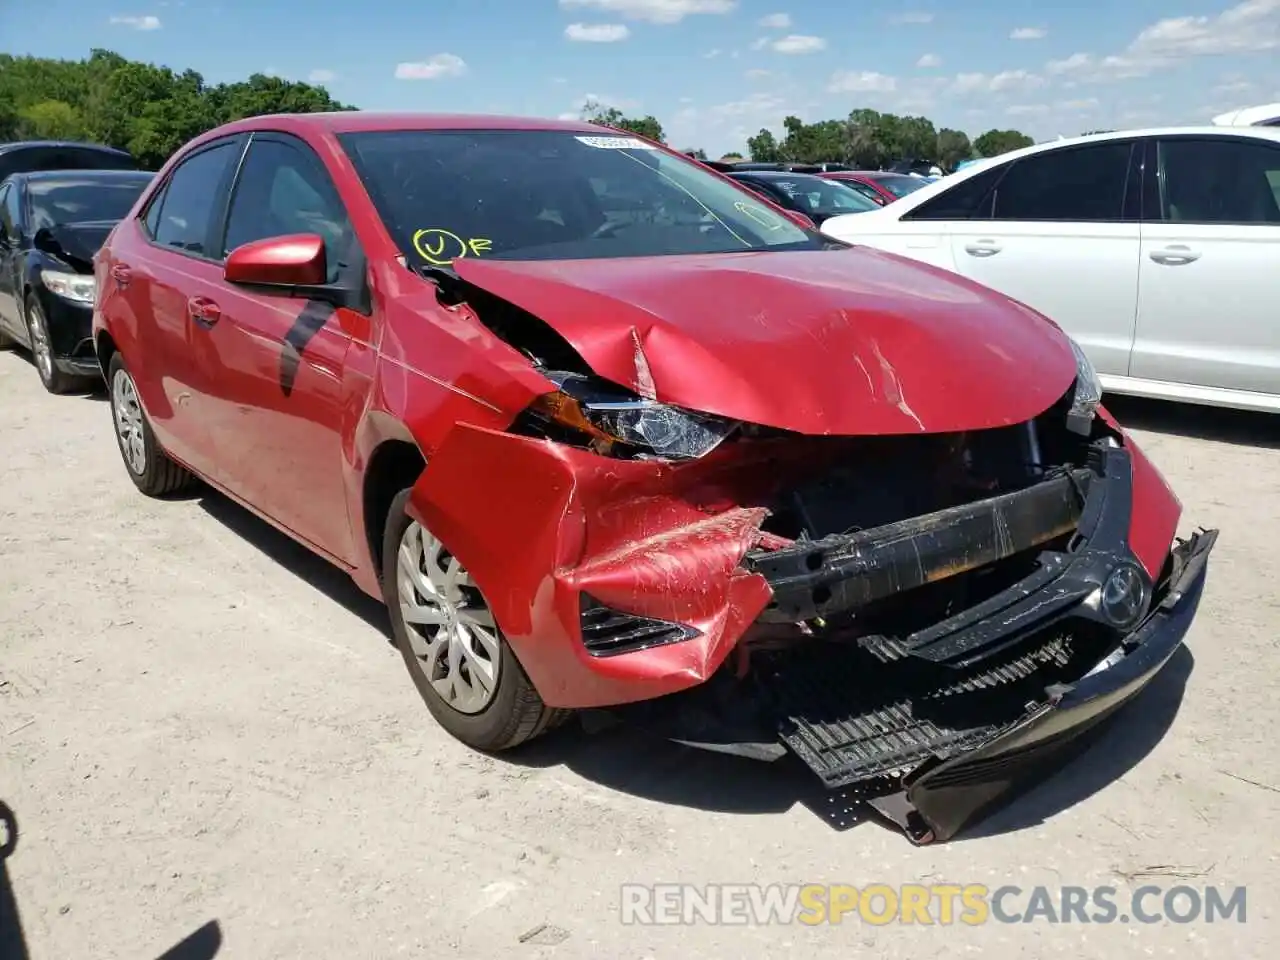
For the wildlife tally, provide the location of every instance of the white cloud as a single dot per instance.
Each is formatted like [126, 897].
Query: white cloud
[796, 43]
[762, 105]
[1029, 33]
[758, 74]
[321, 76]
[136, 23]
[776, 21]
[914, 17]
[861, 81]
[1087, 103]
[433, 68]
[711, 54]
[929, 60]
[597, 32]
[760, 43]
[559, 80]
[1026, 109]
[1007, 81]
[653, 11]
[1249, 27]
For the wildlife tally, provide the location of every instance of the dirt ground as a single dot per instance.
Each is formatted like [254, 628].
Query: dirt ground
[199, 722]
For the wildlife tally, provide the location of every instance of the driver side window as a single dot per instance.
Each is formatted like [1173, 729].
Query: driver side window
[280, 191]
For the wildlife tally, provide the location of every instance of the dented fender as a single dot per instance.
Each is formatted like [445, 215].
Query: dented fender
[537, 524]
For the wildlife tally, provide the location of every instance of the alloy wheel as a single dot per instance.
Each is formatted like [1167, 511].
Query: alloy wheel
[128, 416]
[41, 349]
[451, 629]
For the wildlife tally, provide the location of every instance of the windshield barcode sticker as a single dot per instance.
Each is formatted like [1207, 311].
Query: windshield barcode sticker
[616, 143]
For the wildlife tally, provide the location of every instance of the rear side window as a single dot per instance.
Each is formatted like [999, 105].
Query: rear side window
[8, 211]
[1219, 181]
[968, 200]
[1079, 184]
[190, 199]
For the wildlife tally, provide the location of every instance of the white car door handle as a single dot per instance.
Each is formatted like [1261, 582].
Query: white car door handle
[1175, 255]
[982, 248]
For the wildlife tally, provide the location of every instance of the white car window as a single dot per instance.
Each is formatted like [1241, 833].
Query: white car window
[1082, 184]
[1219, 181]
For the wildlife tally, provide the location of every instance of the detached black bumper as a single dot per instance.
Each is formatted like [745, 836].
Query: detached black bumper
[941, 799]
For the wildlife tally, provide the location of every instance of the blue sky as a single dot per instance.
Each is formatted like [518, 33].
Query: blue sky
[712, 71]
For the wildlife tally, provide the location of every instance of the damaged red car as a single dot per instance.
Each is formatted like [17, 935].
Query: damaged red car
[605, 430]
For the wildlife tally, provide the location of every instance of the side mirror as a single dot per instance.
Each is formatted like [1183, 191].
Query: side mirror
[800, 219]
[297, 260]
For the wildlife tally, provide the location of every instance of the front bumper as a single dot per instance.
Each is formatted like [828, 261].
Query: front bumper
[71, 335]
[943, 797]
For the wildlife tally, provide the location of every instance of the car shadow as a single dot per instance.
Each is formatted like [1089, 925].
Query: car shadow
[1195, 421]
[631, 761]
[201, 944]
[317, 572]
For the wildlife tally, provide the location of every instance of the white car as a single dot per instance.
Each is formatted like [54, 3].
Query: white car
[1157, 250]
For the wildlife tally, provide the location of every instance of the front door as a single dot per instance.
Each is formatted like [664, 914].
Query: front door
[1063, 238]
[1209, 281]
[10, 254]
[272, 366]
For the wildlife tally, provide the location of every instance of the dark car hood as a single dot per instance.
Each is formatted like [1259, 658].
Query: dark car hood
[851, 341]
[75, 243]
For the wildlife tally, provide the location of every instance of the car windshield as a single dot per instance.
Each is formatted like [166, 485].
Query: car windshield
[545, 195]
[826, 198]
[900, 186]
[57, 202]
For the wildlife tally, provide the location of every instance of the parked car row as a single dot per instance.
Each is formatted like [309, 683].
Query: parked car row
[607, 429]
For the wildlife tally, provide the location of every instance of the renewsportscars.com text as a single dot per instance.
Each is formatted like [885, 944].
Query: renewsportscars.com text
[926, 904]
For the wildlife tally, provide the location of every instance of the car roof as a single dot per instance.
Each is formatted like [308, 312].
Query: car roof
[44, 144]
[39, 176]
[776, 175]
[942, 184]
[365, 121]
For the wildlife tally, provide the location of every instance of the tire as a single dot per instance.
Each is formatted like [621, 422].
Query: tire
[148, 466]
[513, 713]
[54, 380]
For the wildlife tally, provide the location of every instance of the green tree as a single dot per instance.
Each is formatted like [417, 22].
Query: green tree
[995, 142]
[52, 120]
[764, 147]
[732, 157]
[146, 109]
[953, 148]
[647, 126]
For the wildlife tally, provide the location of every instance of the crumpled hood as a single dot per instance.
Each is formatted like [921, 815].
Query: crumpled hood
[851, 341]
[75, 243]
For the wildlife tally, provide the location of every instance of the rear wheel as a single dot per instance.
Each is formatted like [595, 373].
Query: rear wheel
[454, 651]
[149, 466]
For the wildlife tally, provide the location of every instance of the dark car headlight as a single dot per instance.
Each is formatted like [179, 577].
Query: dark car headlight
[1086, 394]
[606, 416]
[76, 287]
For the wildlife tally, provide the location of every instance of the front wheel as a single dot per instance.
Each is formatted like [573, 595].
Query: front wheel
[456, 654]
[53, 379]
[149, 466]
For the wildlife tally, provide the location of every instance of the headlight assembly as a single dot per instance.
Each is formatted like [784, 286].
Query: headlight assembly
[1087, 393]
[614, 421]
[76, 287]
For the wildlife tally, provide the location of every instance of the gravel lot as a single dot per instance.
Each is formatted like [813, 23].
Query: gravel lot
[201, 722]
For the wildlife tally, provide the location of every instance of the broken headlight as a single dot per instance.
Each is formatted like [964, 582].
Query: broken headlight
[1086, 394]
[609, 418]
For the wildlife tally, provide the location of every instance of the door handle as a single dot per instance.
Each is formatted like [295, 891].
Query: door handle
[1175, 255]
[121, 275]
[982, 248]
[203, 311]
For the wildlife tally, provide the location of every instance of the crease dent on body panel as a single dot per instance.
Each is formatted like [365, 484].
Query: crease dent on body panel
[893, 386]
[644, 384]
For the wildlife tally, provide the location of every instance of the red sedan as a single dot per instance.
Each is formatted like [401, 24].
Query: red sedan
[879, 185]
[605, 430]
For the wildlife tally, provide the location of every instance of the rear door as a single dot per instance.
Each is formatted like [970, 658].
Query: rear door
[1061, 234]
[1209, 280]
[271, 366]
[167, 263]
